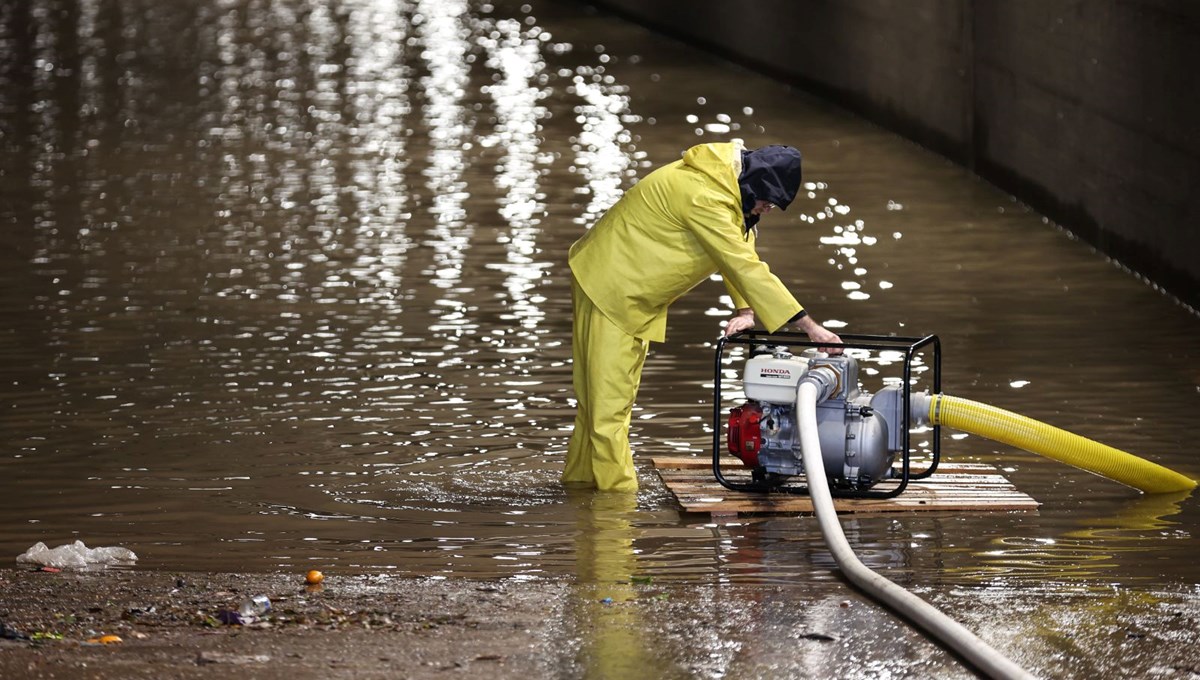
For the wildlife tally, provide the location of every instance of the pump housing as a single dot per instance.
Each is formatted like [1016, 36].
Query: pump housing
[860, 433]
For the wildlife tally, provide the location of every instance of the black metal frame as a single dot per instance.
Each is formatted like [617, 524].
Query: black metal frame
[910, 345]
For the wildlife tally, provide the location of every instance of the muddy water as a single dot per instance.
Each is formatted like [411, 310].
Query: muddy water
[284, 284]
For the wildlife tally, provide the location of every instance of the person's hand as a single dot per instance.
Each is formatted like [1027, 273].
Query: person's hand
[742, 321]
[818, 333]
[821, 334]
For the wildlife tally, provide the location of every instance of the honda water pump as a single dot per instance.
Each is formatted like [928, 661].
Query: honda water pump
[864, 438]
[860, 433]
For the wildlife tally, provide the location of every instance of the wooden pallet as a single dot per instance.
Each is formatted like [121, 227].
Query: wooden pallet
[955, 486]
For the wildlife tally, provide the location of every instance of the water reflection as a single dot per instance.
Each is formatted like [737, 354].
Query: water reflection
[516, 97]
[444, 49]
[378, 67]
[1086, 557]
[614, 644]
[601, 155]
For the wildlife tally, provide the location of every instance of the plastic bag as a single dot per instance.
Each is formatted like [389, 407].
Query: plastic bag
[75, 556]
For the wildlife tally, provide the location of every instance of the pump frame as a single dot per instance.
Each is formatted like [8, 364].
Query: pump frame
[909, 345]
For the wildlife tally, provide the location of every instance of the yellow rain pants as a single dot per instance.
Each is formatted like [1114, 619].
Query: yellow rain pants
[606, 375]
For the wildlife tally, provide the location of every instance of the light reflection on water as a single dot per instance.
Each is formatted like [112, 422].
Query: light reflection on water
[289, 287]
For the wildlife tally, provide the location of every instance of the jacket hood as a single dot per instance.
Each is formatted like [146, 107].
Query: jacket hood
[722, 161]
[770, 174]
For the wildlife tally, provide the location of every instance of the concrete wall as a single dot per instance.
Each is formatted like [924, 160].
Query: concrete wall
[1088, 110]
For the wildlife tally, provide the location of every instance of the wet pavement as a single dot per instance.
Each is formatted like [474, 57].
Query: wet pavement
[387, 626]
[285, 286]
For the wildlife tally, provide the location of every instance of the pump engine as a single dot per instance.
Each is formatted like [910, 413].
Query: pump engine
[860, 433]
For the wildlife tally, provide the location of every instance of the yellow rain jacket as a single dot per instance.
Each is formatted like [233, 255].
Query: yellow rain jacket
[672, 230]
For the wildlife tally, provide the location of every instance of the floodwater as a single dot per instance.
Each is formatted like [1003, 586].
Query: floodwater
[284, 286]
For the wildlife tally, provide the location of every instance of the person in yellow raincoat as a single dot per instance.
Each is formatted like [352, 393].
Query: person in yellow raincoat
[673, 229]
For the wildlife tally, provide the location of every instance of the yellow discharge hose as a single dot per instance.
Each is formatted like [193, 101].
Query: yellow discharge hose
[1031, 435]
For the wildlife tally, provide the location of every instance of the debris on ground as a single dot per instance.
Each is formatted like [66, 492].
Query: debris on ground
[75, 556]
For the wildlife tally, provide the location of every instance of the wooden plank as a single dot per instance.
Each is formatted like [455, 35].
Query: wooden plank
[802, 505]
[938, 479]
[730, 464]
[928, 487]
[955, 486]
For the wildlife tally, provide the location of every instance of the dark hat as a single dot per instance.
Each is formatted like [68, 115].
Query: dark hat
[770, 174]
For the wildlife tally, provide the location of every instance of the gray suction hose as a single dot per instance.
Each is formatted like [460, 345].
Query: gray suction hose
[816, 387]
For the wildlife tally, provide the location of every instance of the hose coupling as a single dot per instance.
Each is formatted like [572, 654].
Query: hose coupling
[919, 408]
[832, 376]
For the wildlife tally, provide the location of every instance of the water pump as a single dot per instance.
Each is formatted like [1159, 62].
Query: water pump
[860, 433]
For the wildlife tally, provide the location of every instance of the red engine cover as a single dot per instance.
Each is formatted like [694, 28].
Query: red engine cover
[744, 435]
